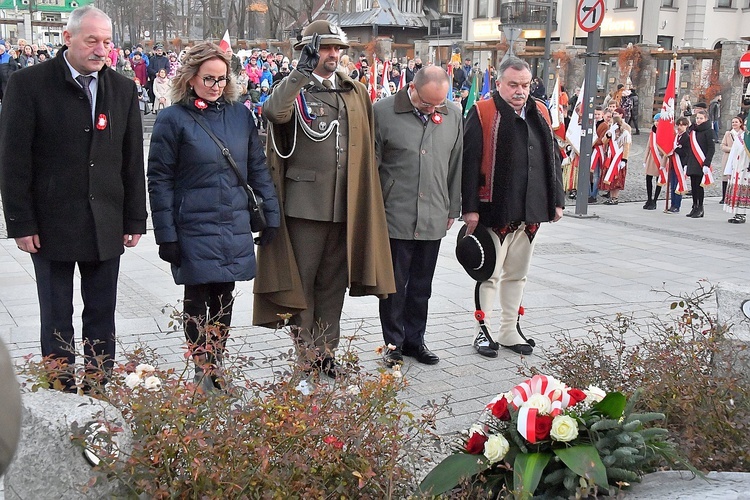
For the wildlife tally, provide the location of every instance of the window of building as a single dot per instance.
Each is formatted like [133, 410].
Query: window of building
[362, 5]
[626, 4]
[451, 7]
[667, 3]
[724, 4]
[482, 8]
[410, 6]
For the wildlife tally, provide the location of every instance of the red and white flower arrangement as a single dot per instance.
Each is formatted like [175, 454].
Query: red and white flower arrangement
[546, 438]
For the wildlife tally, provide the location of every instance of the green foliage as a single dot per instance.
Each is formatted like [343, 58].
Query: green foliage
[527, 472]
[689, 370]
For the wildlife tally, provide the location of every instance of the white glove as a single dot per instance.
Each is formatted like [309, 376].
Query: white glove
[623, 164]
[706, 170]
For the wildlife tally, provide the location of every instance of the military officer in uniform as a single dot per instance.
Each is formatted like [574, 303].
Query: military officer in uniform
[333, 233]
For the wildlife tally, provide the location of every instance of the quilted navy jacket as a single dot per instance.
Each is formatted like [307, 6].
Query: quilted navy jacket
[196, 198]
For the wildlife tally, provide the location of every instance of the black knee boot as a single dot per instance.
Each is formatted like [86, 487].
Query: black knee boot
[723, 190]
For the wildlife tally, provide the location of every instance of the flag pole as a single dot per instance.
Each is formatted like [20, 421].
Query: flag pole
[674, 152]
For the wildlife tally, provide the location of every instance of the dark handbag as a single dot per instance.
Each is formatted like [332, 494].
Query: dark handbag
[255, 204]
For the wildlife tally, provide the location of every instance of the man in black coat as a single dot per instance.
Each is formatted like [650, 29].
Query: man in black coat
[73, 186]
[511, 183]
[157, 62]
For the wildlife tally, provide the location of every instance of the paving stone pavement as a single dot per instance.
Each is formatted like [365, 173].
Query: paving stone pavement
[620, 259]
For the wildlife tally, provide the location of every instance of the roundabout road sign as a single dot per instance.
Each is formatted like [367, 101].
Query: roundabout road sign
[590, 14]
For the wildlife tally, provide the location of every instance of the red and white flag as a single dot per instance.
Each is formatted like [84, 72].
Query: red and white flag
[402, 80]
[665, 132]
[556, 112]
[386, 79]
[574, 132]
[372, 84]
[225, 44]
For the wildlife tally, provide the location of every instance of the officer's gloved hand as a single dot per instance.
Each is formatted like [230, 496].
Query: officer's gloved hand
[266, 236]
[308, 59]
[170, 252]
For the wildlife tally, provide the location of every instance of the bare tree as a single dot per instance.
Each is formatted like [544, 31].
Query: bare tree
[283, 12]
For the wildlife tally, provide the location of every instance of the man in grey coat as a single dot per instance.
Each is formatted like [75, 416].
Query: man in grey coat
[419, 147]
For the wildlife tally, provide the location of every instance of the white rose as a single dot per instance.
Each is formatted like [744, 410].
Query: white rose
[564, 428]
[594, 394]
[352, 390]
[496, 448]
[152, 383]
[143, 369]
[132, 380]
[539, 401]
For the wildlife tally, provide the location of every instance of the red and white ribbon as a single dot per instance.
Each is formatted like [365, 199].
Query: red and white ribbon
[615, 157]
[658, 158]
[597, 157]
[708, 178]
[679, 172]
[538, 384]
[697, 151]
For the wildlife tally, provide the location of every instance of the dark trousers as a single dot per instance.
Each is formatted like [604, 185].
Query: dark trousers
[697, 189]
[209, 303]
[54, 282]
[320, 251]
[676, 198]
[403, 315]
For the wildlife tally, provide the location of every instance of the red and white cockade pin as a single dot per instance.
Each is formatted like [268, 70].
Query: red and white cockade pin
[200, 104]
[436, 118]
[101, 122]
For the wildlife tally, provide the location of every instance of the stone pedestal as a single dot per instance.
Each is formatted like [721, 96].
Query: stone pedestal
[645, 84]
[736, 350]
[576, 68]
[731, 81]
[47, 464]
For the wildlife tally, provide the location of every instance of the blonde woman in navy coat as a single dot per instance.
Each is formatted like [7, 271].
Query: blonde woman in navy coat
[199, 206]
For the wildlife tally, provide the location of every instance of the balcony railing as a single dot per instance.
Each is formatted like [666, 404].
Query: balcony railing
[525, 14]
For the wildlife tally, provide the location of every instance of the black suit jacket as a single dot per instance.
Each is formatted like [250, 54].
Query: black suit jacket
[77, 184]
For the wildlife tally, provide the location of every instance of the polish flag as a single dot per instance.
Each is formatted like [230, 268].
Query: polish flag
[386, 79]
[665, 132]
[373, 81]
[558, 120]
[402, 80]
[574, 132]
[225, 44]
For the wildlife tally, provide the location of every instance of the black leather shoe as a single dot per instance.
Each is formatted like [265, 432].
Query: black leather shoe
[522, 349]
[698, 213]
[485, 346]
[393, 357]
[421, 354]
[692, 212]
[329, 367]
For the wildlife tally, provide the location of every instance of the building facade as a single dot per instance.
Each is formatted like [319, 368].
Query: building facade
[36, 21]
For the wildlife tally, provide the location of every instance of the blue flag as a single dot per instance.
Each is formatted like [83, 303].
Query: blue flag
[486, 86]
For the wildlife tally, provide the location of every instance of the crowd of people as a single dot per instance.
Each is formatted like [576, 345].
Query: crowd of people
[341, 199]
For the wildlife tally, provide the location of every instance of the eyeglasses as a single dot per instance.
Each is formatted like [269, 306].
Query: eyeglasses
[210, 81]
[423, 104]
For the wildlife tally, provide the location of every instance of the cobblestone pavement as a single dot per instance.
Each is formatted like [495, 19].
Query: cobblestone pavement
[620, 259]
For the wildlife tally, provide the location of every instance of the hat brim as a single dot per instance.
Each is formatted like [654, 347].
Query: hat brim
[476, 253]
[324, 40]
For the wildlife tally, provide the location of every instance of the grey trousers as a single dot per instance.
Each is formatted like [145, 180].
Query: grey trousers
[320, 251]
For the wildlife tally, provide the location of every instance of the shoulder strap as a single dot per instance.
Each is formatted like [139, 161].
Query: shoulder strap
[227, 154]
[544, 111]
